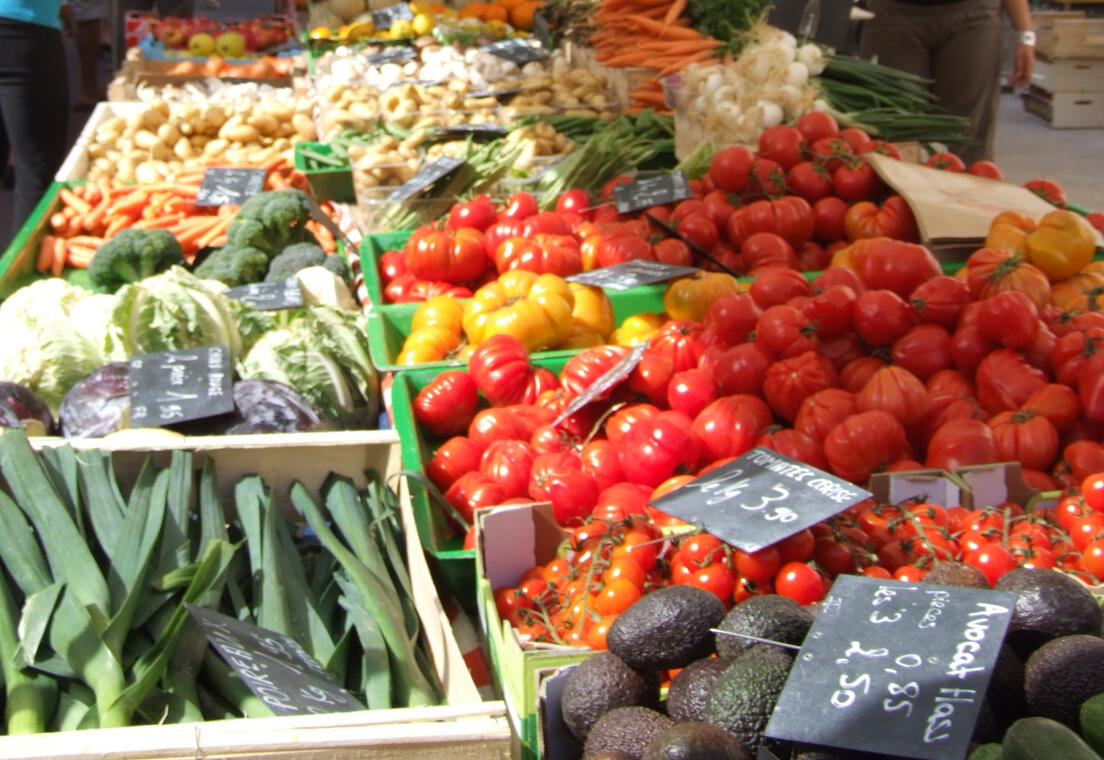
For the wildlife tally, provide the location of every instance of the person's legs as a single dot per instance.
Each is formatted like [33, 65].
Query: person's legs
[898, 36]
[34, 100]
[967, 73]
[89, 35]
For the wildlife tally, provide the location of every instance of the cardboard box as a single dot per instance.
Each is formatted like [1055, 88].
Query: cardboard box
[466, 728]
[1069, 75]
[975, 487]
[511, 540]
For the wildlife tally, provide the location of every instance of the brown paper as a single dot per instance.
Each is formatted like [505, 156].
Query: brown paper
[953, 210]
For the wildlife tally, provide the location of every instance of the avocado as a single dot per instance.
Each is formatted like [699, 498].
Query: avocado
[695, 740]
[818, 752]
[770, 616]
[668, 628]
[991, 751]
[1006, 689]
[615, 755]
[626, 729]
[599, 684]
[744, 694]
[951, 573]
[689, 689]
[1051, 604]
[1062, 674]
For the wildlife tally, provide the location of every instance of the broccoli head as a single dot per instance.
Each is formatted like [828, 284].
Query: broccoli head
[293, 258]
[337, 264]
[271, 221]
[133, 255]
[234, 265]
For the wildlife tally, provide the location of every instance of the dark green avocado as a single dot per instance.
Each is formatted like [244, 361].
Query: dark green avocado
[1051, 604]
[668, 628]
[770, 616]
[689, 689]
[630, 730]
[745, 693]
[695, 740]
[951, 573]
[1062, 674]
[599, 684]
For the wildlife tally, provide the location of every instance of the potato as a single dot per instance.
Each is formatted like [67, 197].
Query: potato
[215, 147]
[183, 149]
[304, 126]
[152, 119]
[168, 133]
[265, 123]
[239, 133]
[160, 152]
[145, 139]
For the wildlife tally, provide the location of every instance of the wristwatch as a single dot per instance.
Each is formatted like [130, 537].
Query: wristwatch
[1026, 37]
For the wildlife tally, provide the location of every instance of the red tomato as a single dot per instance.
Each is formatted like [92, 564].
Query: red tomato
[816, 125]
[831, 152]
[790, 217]
[500, 368]
[733, 315]
[799, 582]
[540, 382]
[450, 257]
[767, 177]
[600, 462]
[1091, 388]
[830, 311]
[895, 390]
[472, 491]
[790, 381]
[391, 265]
[864, 444]
[823, 410]
[575, 201]
[673, 251]
[624, 419]
[680, 342]
[617, 248]
[651, 376]
[777, 286]
[923, 350]
[810, 181]
[795, 445]
[940, 300]
[729, 426]
[478, 213]
[828, 219]
[985, 169]
[1025, 437]
[946, 161]
[960, 443]
[1058, 403]
[656, 449]
[812, 257]
[855, 137]
[896, 266]
[452, 459]
[519, 206]
[765, 249]
[508, 463]
[949, 382]
[690, 391]
[730, 168]
[838, 276]
[893, 220]
[783, 144]
[1049, 190]
[1005, 381]
[718, 208]
[881, 147]
[700, 230]
[583, 369]
[857, 371]
[1009, 318]
[447, 404]
[742, 369]
[969, 347]
[505, 423]
[881, 316]
[857, 181]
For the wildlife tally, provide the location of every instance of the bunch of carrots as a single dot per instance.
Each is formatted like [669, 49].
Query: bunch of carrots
[96, 211]
[652, 34]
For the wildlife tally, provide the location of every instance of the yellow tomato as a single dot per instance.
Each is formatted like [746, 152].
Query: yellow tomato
[1009, 230]
[439, 311]
[423, 23]
[429, 344]
[495, 28]
[637, 329]
[534, 308]
[593, 309]
[583, 337]
[401, 28]
[690, 297]
[1062, 244]
[420, 6]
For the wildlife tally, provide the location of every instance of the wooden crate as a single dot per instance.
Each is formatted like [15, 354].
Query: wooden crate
[1071, 38]
[75, 166]
[1067, 110]
[467, 728]
[1069, 75]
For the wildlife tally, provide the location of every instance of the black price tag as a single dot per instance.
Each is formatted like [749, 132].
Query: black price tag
[541, 30]
[223, 186]
[631, 274]
[274, 667]
[477, 131]
[176, 386]
[503, 93]
[652, 191]
[400, 54]
[517, 49]
[607, 380]
[385, 17]
[425, 177]
[269, 296]
[760, 498]
[895, 668]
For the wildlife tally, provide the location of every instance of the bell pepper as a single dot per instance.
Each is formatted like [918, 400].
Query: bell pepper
[534, 308]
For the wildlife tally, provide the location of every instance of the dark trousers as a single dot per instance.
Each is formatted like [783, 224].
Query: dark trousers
[34, 101]
[958, 45]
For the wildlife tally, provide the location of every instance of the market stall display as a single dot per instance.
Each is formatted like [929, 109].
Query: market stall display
[685, 384]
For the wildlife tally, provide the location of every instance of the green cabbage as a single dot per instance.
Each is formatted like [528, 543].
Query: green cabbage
[41, 347]
[173, 310]
[94, 316]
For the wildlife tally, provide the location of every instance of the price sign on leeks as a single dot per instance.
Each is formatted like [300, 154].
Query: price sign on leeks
[760, 498]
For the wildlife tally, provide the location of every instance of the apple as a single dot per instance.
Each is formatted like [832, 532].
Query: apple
[230, 45]
[201, 44]
[169, 34]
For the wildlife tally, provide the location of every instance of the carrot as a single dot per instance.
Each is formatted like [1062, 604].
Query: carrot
[74, 200]
[325, 237]
[165, 220]
[58, 221]
[178, 188]
[79, 257]
[86, 241]
[117, 223]
[647, 97]
[193, 232]
[218, 229]
[58, 264]
[95, 218]
[131, 204]
[45, 260]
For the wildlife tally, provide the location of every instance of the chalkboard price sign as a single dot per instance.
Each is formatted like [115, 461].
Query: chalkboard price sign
[425, 177]
[477, 131]
[541, 30]
[895, 668]
[631, 274]
[269, 296]
[274, 666]
[503, 93]
[385, 17]
[607, 380]
[517, 49]
[652, 191]
[225, 186]
[399, 54]
[760, 498]
[177, 386]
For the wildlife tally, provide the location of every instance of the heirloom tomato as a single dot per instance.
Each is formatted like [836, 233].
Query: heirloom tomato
[897, 391]
[535, 309]
[729, 426]
[795, 445]
[1025, 437]
[1005, 381]
[992, 270]
[865, 443]
[790, 381]
[601, 462]
[923, 350]
[881, 316]
[471, 491]
[691, 390]
[447, 256]
[960, 443]
[689, 298]
[1062, 244]
[582, 370]
[500, 368]
[733, 315]
[1010, 319]
[823, 410]
[656, 449]
[741, 369]
[790, 217]
[508, 463]
[940, 300]
[447, 404]
[452, 459]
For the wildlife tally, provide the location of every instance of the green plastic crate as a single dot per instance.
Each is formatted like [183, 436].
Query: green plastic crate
[388, 327]
[455, 565]
[371, 248]
[326, 184]
[17, 265]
